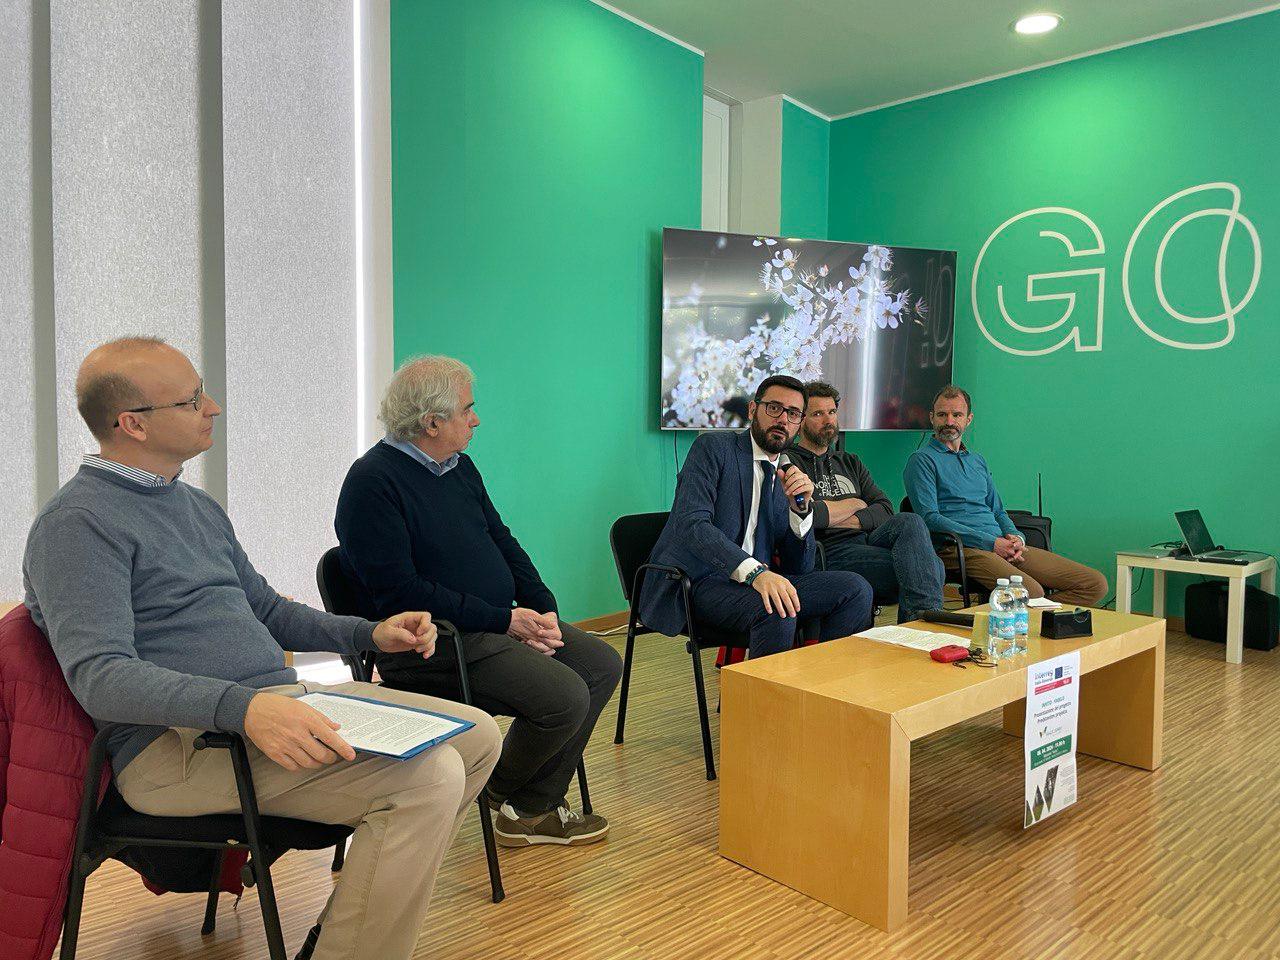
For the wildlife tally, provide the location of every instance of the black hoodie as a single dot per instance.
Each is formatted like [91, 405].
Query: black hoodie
[838, 476]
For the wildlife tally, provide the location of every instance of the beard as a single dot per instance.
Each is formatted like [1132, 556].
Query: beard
[947, 433]
[823, 436]
[773, 439]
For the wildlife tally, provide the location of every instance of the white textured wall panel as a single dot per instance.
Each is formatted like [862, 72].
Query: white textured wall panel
[17, 315]
[289, 168]
[126, 222]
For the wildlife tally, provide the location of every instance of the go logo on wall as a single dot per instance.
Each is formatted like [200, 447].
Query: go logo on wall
[1191, 266]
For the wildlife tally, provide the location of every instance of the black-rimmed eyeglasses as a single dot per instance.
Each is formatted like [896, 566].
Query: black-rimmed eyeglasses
[195, 403]
[776, 410]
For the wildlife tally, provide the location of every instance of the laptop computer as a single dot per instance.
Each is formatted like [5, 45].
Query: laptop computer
[1200, 545]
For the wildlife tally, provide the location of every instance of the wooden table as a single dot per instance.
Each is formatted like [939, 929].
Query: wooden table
[1237, 575]
[815, 747]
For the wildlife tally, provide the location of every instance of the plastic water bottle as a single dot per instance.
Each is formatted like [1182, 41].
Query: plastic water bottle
[1000, 627]
[1021, 626]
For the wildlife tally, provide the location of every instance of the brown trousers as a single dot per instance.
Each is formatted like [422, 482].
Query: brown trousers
[405, 814]
[1072, 583]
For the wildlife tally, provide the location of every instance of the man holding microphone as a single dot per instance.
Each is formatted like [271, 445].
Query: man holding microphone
[741, 528]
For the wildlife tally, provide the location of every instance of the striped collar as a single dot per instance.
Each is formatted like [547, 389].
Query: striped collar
[141, 477]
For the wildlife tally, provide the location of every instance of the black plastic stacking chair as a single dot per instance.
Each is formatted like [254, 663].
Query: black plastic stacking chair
[632, 539]
[103, 831]
[341, 596]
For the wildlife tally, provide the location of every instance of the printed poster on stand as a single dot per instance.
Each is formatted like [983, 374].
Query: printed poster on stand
[1053, 709]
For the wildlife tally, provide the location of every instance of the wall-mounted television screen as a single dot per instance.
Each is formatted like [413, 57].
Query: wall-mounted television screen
[874, 321]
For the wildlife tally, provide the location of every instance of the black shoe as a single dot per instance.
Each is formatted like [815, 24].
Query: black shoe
[309, 944]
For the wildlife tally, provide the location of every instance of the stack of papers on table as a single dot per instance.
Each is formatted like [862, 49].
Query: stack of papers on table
[915, 639]
[1042, 603]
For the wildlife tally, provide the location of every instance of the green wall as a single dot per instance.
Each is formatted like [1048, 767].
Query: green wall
[806, 155]
[537, 151]
[1128, 433]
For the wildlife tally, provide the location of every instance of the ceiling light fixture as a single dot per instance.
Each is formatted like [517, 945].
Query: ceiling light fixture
[1036, 23]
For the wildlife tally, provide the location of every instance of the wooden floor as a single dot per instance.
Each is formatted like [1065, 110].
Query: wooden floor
[1180, 864]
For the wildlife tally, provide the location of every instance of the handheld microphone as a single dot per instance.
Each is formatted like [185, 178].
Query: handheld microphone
[783, 463]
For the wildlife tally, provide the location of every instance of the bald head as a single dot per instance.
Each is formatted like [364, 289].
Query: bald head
[118, 376]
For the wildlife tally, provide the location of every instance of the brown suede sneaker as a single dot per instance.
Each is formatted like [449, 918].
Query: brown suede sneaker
[561, 825]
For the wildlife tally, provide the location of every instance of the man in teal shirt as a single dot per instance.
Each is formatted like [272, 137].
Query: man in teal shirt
[951, 487]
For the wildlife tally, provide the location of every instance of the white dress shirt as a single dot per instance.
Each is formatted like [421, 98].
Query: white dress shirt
[799, 525]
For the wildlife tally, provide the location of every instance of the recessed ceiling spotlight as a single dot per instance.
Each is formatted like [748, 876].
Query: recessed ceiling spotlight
[1036, 23]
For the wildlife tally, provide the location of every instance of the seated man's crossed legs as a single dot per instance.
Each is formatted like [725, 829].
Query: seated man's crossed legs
[899, 561]
[554, 701]
[405, 813]
[1041, 570]
[841, 603]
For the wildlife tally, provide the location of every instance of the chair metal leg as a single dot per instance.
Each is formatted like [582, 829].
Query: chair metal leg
[253, 833]
[491, 850]
[964, 577]
[211, 906]
[71, 915]
[582, 787]
[270, 915]
[702, 709]
[339, 857]
[626, 679]
[79, 869]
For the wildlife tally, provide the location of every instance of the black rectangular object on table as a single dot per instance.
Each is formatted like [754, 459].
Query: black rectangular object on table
[1063, 624]
[1205, 610]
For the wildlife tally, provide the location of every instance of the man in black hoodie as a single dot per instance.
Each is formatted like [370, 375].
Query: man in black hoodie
[855, 522]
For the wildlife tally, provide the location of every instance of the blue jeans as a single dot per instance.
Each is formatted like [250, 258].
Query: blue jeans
[898, 560]
[839, 602]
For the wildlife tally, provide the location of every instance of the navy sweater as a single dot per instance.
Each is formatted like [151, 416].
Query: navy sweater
[421, 542]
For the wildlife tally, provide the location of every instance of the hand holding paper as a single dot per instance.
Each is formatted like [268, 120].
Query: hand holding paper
[292, 733]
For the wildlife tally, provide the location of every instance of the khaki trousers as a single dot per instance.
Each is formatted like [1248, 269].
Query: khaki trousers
[1073, 583]
[405, 814]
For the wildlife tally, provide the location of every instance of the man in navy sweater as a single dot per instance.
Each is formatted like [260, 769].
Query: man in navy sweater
[414, 521]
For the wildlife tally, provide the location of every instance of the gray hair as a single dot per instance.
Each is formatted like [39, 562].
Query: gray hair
[422, 388]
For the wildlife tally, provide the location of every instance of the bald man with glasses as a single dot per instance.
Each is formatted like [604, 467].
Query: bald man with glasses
[741, 528]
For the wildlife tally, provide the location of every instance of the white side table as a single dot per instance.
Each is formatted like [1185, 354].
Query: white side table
[1236, 576]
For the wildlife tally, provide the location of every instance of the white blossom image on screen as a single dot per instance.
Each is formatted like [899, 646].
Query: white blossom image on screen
[819, 314]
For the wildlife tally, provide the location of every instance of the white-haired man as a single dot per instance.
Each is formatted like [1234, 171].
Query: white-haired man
[416, 525]
[159, 621]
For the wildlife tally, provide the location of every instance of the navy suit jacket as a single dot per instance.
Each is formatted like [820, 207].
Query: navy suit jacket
[708, 519]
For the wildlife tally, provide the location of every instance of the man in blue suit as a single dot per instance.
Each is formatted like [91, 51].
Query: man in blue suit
[737, 506]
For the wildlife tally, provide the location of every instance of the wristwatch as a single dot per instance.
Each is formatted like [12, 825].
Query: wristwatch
[755, 573]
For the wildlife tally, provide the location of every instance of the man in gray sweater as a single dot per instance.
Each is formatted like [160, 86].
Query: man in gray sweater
[854, 521]
[160, 621]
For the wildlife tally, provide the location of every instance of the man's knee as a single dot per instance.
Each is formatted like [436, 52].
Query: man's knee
[1095, 586]
[1033, 588]
[911, 526]
[438, 775]
[775, 624]
[564, 705]
[855, 594]
[605, 668]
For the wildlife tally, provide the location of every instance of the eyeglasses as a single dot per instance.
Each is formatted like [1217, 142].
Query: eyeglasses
[776, 410]
[195, 403]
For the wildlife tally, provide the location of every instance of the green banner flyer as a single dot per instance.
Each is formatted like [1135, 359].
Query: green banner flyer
[1053, 709]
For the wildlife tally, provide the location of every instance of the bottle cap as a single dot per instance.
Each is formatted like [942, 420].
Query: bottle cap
[1002, 582]
[1015, 579]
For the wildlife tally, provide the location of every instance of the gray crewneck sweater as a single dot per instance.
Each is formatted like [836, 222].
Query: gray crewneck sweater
[156, 615]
